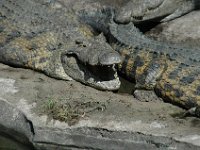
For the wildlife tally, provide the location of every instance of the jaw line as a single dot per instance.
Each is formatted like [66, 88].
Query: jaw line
[102, 84]
[110, 85]
[80, 72]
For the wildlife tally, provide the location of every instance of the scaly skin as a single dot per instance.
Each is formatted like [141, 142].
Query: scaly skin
[172, 71]
[47, 37]
[138, 11]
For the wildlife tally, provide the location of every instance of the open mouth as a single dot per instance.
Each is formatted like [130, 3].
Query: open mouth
[100, 76]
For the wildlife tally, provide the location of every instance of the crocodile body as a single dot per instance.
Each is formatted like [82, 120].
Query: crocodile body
[138, 11]
[44, 36]
[171, 70]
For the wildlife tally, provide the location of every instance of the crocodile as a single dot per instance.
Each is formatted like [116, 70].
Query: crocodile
[47, 37]
[172, 71]
[139, 11]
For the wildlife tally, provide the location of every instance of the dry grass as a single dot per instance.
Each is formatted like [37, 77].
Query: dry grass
[71, 111]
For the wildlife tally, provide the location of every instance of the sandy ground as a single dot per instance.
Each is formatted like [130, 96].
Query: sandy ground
[114, 111]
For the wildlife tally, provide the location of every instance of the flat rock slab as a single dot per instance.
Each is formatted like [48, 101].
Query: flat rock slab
[184, 30]
[122, 123]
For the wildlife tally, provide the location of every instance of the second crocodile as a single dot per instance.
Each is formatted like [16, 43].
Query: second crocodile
[171, 70]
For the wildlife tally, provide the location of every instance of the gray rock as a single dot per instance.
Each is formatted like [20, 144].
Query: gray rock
[184, 30]
[14, 124]
[97, 138]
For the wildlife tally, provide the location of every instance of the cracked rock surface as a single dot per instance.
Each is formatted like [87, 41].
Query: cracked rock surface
[123, 123]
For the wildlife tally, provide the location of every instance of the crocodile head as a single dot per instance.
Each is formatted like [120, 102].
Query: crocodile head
[156, 10]
[92, 62]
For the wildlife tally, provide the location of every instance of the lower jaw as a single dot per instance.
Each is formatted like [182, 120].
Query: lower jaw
[110, 85]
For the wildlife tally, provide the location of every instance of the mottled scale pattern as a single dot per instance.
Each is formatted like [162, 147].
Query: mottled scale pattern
[182, 88]
[171, 70]
[34, 35]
